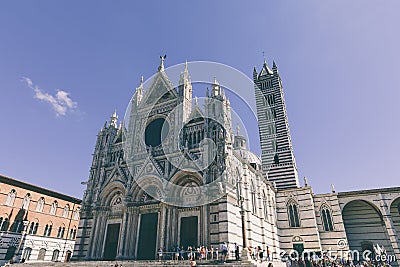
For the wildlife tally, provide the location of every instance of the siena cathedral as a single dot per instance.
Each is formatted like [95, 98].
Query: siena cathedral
[177, 173]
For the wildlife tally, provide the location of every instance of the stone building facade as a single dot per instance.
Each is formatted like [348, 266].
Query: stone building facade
[127, 211]
[45, 220]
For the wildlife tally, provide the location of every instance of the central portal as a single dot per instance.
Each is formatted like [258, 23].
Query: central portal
[111, 245]
[147, 236]
[189, 231]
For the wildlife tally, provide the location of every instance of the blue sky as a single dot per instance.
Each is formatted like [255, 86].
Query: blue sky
[338, 61]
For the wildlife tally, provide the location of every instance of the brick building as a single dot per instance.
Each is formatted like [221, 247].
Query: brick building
[45, 220]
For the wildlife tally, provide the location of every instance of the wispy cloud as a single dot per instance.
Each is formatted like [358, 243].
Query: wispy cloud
[60, 102]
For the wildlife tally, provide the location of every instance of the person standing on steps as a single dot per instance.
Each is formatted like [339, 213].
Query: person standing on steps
[260, 253]
[224, 251]
[236, 252]
[160, 254]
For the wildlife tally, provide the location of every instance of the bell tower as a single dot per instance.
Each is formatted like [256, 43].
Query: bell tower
[277, 155]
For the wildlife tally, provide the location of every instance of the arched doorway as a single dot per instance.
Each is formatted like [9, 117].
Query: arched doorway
[364, 227]
[395, 214]
[42, 254]
[68, 256]
[146, 249]
[10, 253]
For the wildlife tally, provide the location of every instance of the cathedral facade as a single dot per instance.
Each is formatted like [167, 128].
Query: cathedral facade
[154, 185]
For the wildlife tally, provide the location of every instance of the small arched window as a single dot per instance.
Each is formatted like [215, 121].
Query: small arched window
[61, 231]
[40, 205]
[53, 208]
[398, 208]
[26, 201]
[293, 214]
[4, 225]
[36, 228]
[253, 199]
[66, 211]
[11, 198]
[27, 254]
[42, 254]
[55, 255]
[31, 228]
[326, 218]
[47, 230]
[76, 214]
[265, 204]
[72, 233]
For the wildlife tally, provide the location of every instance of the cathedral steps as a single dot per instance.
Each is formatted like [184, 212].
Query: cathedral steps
[143, 264]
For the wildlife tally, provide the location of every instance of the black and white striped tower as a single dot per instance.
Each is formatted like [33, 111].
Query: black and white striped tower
[277, 156]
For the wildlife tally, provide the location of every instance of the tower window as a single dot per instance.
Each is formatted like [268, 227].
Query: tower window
[293, 214]
[271, 99]
[271, 129]
[276, 159]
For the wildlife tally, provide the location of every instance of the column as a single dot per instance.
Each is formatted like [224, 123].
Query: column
[121, 247]
[387, 219]
[93, 237]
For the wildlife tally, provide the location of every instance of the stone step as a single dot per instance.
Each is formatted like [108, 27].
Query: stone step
[137, 264]
[154, 263]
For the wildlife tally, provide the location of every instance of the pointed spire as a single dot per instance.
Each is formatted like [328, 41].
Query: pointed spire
[274, 67]
[114, 119]
[255, 74]
[305, 181]
[196, 103]
[266, 68]
[237, 129]
[216, 89]
[162, 59]
[139, 92]
[184, 77]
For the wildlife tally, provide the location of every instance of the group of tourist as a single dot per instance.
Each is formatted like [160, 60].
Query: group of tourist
[194, 253]
[327, 262]
[258, 253]
[219, 253]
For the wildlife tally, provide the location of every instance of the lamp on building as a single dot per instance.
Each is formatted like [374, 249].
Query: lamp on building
[245, 253]
[25, 223]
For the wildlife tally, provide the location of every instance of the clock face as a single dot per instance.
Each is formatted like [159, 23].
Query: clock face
[156, 132]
